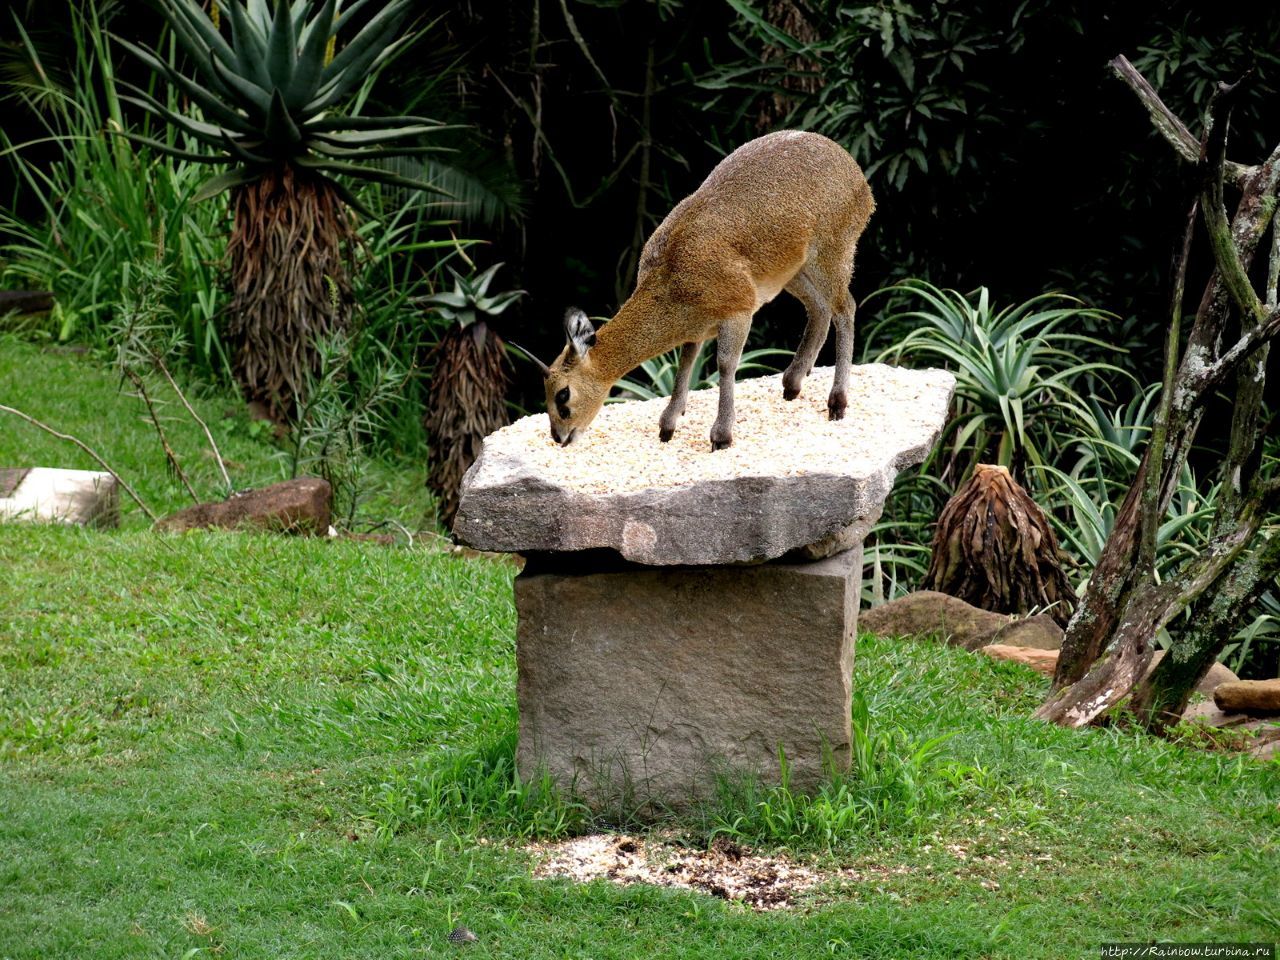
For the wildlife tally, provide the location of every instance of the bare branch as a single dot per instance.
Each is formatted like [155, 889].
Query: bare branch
[1215, 374]
[169, 453]
[1265, 319]
[1273, 267]
[66, 436]
[217, 454]
[1167, 124]
[1225, 253]
[1201, 573]
[1269, 494]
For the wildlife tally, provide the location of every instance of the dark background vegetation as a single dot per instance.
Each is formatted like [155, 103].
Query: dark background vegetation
[1000, 150]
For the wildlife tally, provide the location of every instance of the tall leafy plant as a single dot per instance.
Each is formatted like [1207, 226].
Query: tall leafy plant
[467, 399]
[265, 100]
[101, 205]
[1016, 370]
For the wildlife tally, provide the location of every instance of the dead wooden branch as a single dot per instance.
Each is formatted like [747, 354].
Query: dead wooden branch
[1166, 122]
[1124, 604]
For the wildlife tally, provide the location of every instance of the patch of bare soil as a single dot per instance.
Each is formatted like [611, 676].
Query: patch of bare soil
[726, 870]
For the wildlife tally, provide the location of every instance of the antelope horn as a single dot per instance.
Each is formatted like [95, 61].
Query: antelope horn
[546, 371]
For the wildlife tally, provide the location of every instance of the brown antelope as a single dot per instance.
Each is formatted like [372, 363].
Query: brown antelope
[782, 212]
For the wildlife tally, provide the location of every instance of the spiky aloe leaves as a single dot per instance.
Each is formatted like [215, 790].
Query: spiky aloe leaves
[265, 92]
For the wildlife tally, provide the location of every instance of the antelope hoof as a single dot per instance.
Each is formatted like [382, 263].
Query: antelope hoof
[721, 438]
[666, 433]
[790, 392]
[836, 405]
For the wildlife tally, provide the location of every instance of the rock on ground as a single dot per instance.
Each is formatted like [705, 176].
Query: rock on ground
[928, 612]
[294, 506]
[792, 478]
[1218, 674]
[1254, 697]
[640, 686]
[1040, 632]
[85, 497]
[1041, 661]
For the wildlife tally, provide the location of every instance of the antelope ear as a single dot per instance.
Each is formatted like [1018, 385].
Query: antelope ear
[579, 331]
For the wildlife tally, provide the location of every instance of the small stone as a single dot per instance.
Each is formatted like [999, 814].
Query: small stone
[294, 506]
[1040, 632]
[25, 301]
[1041, 661]
[84, 497]
[927, 612]
[1254, 697]
[792, 478]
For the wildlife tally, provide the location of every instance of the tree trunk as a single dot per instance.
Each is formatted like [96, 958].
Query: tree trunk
[994, 548]
[1124, 606]
[1215, 617]
[290, 250]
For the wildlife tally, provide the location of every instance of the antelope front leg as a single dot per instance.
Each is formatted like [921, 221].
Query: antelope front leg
[675, 408]
[729, 343]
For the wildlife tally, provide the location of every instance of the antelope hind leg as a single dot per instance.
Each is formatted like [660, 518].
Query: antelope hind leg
[818, 310]
[838, 401]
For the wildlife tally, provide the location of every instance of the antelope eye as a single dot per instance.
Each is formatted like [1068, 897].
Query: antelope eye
[562, 397]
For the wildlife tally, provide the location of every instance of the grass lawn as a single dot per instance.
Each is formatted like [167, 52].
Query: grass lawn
[252, 746]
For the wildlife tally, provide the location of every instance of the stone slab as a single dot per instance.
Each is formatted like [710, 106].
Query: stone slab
[1254, 697]
[1039, 660]
[792, 479]
[53, 495]
[639, 686]
[1040, 632]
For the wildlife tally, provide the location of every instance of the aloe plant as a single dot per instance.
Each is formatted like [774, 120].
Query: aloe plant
[265, 100]
[467, 399]
[1016, 370]
[469, 300]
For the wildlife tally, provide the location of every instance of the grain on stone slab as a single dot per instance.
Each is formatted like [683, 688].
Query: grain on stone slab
[621, 453]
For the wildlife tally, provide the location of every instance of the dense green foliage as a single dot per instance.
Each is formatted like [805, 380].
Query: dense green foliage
[81, 395]
[87, 205]
[267, 96]
[264, 747]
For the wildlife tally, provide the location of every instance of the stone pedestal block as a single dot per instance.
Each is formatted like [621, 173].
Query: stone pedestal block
[641, 685]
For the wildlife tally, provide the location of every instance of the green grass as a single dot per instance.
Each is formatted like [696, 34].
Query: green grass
[76, 393]
[252, 746]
